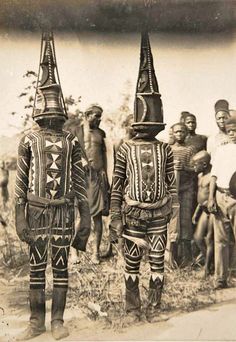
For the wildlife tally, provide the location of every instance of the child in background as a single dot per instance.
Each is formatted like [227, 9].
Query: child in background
[204, 235]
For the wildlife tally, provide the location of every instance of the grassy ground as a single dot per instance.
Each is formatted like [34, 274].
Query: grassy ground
[98, 290]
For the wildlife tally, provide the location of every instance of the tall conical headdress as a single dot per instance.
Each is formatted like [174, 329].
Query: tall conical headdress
[148, 105]
[49, 102]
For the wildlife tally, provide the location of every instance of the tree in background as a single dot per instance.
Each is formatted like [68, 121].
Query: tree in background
[28, 94]
[75, 117]
[114, 121]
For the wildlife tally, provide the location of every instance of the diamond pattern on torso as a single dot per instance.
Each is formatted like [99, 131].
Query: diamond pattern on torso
[148, 172]
[53, 161]
[53, 155]
[53, 144]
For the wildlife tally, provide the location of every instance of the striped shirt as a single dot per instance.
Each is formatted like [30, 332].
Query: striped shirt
[197, 142]
[143, 171]
[184, 154]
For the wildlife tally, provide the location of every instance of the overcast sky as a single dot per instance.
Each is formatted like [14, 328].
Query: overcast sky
[193, 71]
[97, 47]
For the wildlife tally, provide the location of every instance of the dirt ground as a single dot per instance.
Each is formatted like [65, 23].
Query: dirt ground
[214, 322]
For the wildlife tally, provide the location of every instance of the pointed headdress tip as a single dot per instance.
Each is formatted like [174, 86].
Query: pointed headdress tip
[148, 104]
[49, 102]
[47, 35]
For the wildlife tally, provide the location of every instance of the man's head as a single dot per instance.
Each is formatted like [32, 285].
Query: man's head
[93, 115]
[183, 116]
[230, 128]
[190, 122]
[221, 113]
[179, 132]
[201, 161]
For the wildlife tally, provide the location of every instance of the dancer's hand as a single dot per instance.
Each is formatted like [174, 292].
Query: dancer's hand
[212, 206]
[116, 229]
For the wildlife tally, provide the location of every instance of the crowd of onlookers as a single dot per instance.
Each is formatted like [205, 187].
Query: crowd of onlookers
[206, 231]
[200, 243]
[206, 236]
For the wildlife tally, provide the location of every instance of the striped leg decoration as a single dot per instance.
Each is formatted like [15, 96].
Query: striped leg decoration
[60, 252]
[133, 255]
[157, 237]
[38, 262]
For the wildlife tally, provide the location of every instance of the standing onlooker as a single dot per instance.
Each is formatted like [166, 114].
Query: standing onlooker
[221, 138]
[204, 235]
[184, 176]
[222, 113]
[183, 115]
[197, 141]
[98, 185]
[222, 203]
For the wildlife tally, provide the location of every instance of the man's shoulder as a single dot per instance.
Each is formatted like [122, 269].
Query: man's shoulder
[27, 137]
[205, 176]
[124, 143]
[211, 138]
[217, 136]
[101, 132]
[71, 138]
[164, 145]
[224, 147]
[223, 151]
[69, 135]
[202, 137]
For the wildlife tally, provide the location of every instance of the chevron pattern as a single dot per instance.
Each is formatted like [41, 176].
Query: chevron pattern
[156, 232]
[158, 242]
[60, 246]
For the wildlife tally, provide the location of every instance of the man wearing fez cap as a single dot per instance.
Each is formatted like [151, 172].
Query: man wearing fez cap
[50, 177]
[222, 202]
[221, 138]
[98, 185]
